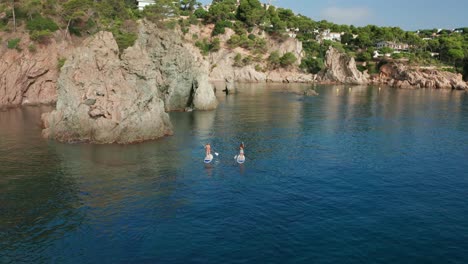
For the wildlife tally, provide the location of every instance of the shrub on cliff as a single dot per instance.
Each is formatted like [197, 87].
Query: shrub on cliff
[205, 46]
[287, 59]
[312, 65]
[220, 27]
[40, 23]
[125, 39]
[200, 13]
[274, 60]
[41, 36]
[13, 43]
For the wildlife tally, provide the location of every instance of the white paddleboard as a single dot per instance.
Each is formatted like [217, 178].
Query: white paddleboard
[208, 158]
[240, 159]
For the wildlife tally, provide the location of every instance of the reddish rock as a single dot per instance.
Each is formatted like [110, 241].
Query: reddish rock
[29, 77]
[403, 76]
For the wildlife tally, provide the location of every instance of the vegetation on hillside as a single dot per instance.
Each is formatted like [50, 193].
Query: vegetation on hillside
[43, 18]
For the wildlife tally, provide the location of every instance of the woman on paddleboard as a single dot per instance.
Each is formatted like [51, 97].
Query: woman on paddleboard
[208, 149]
[241, 150]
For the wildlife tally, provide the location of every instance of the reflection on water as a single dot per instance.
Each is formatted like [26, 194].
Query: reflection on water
[356, 173]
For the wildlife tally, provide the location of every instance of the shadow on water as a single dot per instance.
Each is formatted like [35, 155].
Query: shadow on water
[39, 200]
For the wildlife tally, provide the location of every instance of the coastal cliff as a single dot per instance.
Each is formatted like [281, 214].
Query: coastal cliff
[107, 97]
[223, 66]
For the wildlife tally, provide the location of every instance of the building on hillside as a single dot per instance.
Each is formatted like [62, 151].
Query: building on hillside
[392, 45]
[328, 35]
[292, 32]
[143, 3]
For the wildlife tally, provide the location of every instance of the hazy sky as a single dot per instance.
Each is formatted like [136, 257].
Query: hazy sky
[407, 14]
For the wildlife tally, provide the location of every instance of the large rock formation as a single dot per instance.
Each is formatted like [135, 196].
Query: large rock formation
[402, 76]
[341, 68]
[29, 77]
[162, 58]
[106, 98]
[100, 102]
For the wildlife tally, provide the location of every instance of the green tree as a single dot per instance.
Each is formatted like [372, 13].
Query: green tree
[201, 13]
[250, 12]
[347, 38]
[221, 10]
[364, 56]
[363, 40]
[33, 7]
[188, 5]
[274, 60]
[13, 12]
[160, 10]
[386, 50]
[312, 65]
[75, 10]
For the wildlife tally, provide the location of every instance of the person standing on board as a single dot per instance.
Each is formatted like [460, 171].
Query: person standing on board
[241, 150]
[208, 149]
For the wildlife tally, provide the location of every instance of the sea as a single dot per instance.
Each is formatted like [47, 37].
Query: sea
[357, 174]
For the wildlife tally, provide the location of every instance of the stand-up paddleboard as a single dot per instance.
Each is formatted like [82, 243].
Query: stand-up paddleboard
[240, 159]
[208, 158]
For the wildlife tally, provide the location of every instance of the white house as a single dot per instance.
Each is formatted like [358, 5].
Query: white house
[143, 3]
[392, 45]
[328, 35]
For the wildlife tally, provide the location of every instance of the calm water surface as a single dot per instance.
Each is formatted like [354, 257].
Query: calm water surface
[357, 175]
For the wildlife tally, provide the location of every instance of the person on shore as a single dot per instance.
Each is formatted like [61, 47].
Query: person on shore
[208, 149]
[241, 150]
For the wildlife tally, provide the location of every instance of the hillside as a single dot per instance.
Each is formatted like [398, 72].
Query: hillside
[40, 18]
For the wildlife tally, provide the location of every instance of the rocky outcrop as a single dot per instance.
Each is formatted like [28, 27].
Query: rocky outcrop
[402, 76]
[29, 77]
[107, 97]
[100, 101]
[163, 59]
[341, 68]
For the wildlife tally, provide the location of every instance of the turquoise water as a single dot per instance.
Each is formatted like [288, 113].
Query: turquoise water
[357, 175]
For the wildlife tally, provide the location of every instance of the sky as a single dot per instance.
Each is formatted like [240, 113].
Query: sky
[407, 14]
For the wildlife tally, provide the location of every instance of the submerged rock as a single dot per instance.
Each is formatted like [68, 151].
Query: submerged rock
[99, 102]
[310, 92]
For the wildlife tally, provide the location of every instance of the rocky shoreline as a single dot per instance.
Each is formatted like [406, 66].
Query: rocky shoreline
[106, 96]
